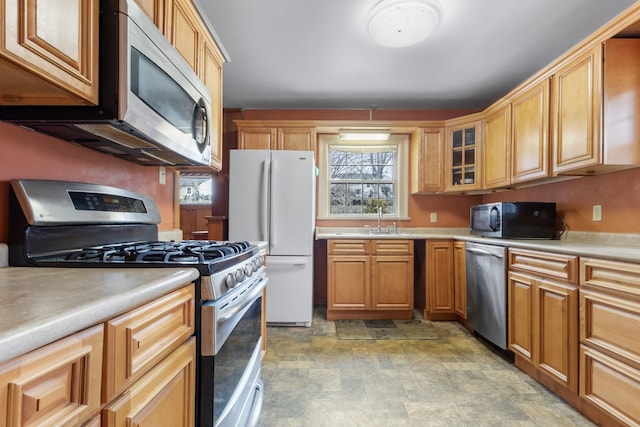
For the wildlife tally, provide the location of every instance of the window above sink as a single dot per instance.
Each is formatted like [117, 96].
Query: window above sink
[358, 177]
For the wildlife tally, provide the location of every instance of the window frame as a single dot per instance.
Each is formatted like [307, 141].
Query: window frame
[401, 183]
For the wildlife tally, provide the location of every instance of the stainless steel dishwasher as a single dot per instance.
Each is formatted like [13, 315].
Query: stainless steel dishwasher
[487, 291]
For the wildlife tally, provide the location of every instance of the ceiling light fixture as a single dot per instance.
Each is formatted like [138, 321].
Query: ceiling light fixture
[400, 23]
[364, 134]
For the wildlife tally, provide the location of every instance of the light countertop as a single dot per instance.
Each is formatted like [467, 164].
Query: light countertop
[41, 305]
[616, 246]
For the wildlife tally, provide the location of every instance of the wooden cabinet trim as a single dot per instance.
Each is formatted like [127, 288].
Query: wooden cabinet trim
[521, 315]
[57, 384]
[621, 278]
[496, 148]
[610, 324]
[51, 70]
[166, 392]
[140, 338]
[610, 385]
[392, 282]
[530, 133]
[460, 279]
[546, 264]
[350, 291]
[348, 247]
[557, 307]
[576, 112]
[392, 247]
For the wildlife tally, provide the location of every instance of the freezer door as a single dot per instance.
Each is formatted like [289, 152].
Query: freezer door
[292, 217]
[290, 290]
[249, 172]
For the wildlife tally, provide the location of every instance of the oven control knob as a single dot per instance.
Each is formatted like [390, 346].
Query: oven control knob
[248, 270]
[240, 275]
[230, 281]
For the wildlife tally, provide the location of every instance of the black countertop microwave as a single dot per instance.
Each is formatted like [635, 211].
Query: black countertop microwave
[514, 220]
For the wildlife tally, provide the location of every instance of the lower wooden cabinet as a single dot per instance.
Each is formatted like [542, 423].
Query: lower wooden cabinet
[165, 396]
[58, 384]
[609, 345]
[369, 279]
[460, 280]
[435, 293]
[139, 339]
[543, 315]
[135, 370]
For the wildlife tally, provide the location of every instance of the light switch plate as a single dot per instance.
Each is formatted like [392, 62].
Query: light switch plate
[162, 177]
[434, 217]
[597, 213]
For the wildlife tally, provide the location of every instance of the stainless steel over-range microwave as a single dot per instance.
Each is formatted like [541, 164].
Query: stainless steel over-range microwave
[514, 220]
[153, 109]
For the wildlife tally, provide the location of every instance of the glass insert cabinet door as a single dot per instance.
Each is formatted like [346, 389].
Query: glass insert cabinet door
[463, 168]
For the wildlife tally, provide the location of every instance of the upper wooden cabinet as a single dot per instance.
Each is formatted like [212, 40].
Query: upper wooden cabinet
[296, 139]
[427, 160]
[516, 141]
[159, 13]
[462, 158]
[264, 136]
[49, 52]
[596, 110]
[530, 133]
[496, 152]
[189, 34]
[576, 94]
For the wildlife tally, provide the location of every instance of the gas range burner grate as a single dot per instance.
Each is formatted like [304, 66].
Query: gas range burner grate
[181, 252]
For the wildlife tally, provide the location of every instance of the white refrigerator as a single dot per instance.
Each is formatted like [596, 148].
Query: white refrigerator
[272, 199]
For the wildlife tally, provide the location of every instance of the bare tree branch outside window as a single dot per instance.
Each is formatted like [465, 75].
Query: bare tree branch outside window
[362, 179]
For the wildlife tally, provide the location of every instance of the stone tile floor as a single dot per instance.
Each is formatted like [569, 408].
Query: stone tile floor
[313, 379]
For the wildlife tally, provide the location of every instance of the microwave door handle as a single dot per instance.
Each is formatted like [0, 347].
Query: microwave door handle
[494, 219]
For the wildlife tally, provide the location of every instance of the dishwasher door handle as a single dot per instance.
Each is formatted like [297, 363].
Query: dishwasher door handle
[483, 252]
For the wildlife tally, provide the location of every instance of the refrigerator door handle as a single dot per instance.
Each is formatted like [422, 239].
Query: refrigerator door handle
[296, 262]
[272, 217]
[264, 217]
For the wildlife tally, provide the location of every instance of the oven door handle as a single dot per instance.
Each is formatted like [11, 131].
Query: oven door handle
[247, 301]
[256, 406]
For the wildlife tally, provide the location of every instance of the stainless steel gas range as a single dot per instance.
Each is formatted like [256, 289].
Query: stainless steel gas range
[70, 224]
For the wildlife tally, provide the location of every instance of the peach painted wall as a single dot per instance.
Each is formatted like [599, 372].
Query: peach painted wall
[452, 211]
[28, 154]
[617, 192]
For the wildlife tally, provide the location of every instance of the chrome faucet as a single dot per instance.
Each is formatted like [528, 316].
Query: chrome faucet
[379, 218]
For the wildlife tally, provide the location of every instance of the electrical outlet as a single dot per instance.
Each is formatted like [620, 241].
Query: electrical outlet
[434, 217]
[597, 213]
[162, 175]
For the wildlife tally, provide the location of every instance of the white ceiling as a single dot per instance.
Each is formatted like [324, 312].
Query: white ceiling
[316, 53]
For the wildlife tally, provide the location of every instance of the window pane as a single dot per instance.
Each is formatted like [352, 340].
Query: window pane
[362, 178]
[195, 189]
[338, 198]
[457, 138]
[470, 136]
[354, 198]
